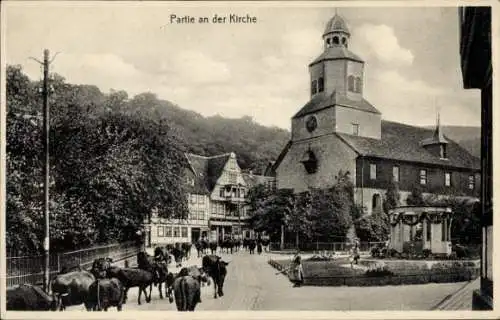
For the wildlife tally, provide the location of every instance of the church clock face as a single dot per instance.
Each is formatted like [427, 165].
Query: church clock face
[311, 123]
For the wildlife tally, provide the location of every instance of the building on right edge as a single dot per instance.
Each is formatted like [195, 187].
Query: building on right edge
[475, 54]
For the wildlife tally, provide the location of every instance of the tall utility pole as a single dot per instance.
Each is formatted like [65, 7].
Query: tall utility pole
[46, 242]
[46, 166]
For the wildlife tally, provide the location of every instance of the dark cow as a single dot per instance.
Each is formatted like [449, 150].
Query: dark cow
[251, 246]
[215, 267]
[213, 247]
[72, 288]
[186, 249]
[187, 293]
[105, 293]
[227, 244]
[201, 246]
[197, 273]
[27, 297]
[131, 278]
[178, 255]
[158, 267]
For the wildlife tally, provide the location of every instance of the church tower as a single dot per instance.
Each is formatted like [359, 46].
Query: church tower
[337, 104]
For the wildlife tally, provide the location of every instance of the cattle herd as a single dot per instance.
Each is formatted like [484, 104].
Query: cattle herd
[105, 285]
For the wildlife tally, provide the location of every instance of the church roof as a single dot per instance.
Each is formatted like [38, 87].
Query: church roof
[336, 24]
[335, 53]
[207, 169]
[403, 142]
[323, 100]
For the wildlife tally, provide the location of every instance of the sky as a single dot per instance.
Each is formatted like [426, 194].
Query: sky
[412, 62]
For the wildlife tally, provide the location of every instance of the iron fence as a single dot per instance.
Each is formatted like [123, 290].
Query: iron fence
[325, 246]
[30, 269]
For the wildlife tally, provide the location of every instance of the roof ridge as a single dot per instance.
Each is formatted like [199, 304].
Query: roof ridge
[208, 157]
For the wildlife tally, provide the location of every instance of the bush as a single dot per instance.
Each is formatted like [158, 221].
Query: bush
[375, 252]
[379, 271]
[426, 253]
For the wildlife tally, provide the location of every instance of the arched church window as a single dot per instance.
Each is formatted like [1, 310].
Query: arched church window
[344, 40]
[335, 40]
[328, 41]
[314, 87]
[350, 83]
[358, 85]
[321, 84]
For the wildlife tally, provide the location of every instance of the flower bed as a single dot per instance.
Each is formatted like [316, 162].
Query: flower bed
[378, 273]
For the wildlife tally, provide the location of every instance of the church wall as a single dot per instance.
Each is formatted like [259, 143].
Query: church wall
[369, 123]
[326, 124]
[335, 76]
[356, 69]
[332, 154]
[316, 71]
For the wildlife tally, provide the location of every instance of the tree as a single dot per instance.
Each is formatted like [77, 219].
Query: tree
[415, 198]
[109, 167]
[392, 197]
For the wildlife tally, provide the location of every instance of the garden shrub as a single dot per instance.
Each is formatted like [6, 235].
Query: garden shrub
[379, 271]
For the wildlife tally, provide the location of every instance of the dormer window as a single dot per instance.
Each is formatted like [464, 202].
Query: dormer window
[309, 161]
[442, 151]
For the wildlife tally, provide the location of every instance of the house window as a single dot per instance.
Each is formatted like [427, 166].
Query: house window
[373, 171]
[321, 84]
[350, 83]
[447, 179]
[376, 202]
[160, 231]
[221, 192]
[471, 182]
[184, 232]
[176, 232]
[395, 174]
[355, 129]
[314, 87]
[168, 231]
[423, 176]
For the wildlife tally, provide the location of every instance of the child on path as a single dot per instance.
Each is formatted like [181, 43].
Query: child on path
[295, 271]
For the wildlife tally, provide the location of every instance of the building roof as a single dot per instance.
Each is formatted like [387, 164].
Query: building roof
[252, 180]
[403, 142]
[323, 100]
[336, 53]
[336, 24]
[207, 169]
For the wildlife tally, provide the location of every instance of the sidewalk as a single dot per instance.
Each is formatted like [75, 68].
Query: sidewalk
[461, 299]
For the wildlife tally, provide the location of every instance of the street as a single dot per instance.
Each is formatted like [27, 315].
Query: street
[252, 284]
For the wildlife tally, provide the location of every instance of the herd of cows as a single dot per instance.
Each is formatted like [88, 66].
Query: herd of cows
[105, 285]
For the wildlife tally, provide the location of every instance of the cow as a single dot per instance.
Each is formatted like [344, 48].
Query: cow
[178, 254]
[215, 267]
[195, 272]
[105, 293]
[251, 246]
[227, 244]
[159, 269]
[27, 297]
[186, 249]
[131, 278]
[187, 293]
[72, 288]
[213, 247]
